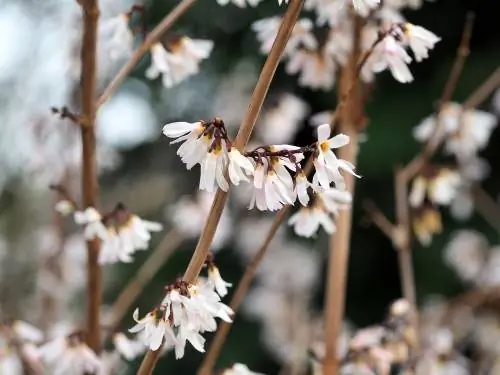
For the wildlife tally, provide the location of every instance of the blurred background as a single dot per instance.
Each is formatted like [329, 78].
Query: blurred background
[39, 70]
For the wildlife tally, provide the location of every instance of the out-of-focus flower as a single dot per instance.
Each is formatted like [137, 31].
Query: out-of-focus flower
[178, 60]
[239, 3]
[466, 254]
[426, 223]
[420, 40]
[240, 369]
[129, 349]
[216, 281]
[116, 37]
[92, 220]
[439, 185]
[363, 7]
[279, 124]
[26, 332]
[316, 70]
[69, 356]
[490, 275]
[188, 216]
[302, 35]
[466, 131]
[390, 54]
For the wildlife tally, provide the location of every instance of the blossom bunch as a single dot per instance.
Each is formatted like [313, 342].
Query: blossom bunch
[186, 311]
[121, 232]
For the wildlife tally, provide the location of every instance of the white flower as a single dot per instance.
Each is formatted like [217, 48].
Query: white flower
[195, 145]
[467, 131]
[440, 189]
[363, 7]
[240, 369]
[490, 274]
[301, 186]
[115, 37]
[316, 70]
[279, 124]
[188, 216]
[112, 251]
[420, 40]
[273, 188]
[327, 165]
[155, 327]
[466, 254]
[180, 61]
[212, 170]
[69, 356]
[135, 233]
[389, 54]
[129, 349]
[26, 332]
[239, 3]
[91, 218]
[218, 283]
[238, 167]
[307, 221]
[65, 207]
[302, 35]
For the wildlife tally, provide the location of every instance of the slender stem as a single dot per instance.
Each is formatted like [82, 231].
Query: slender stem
[137, 55]
[404, 250]
[339, 241]
[379, 219]
[416, 164]
[483, 91]
[486, 207]
[90, 187]
[244, 133]
[213, 352]
[143, 276]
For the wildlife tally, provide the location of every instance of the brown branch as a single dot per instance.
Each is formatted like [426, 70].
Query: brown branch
[90, 187]
[143, 276]
[416, 164]
[65, 113]
[486, 207]
[483, 91]
[213, 352]
[378, 218]
[244, 133]
[349, 88]
[143, 49]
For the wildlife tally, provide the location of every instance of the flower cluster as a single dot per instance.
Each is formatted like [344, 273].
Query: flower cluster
[122, 233]
[269, 169]
[385, 37]
[186, 311]
[177, 59]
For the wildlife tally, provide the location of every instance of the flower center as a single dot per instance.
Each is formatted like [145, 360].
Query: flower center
[324, 146]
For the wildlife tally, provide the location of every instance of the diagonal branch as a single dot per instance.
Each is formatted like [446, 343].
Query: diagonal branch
[138, 54]
[246, 128]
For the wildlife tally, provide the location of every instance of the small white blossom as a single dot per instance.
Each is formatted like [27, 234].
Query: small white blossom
[466, 254]
[301, 186]
[240, 369]
[129, 349]
[327, 165]
[302, 35]
[116, 37]
[69, 356]
[179, 60]
[218, 283]
[155, 327]
[316, 70]
[390, 54]
[307, 221]
[364, 7]
[91, 218]
[26, 332]
[420, 40]
[440, 189]
[65, 207]
[239, 167]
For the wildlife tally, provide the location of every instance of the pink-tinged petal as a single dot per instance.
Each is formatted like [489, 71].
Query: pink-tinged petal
[323, 132]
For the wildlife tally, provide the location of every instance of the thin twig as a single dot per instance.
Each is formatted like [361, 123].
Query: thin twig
[213, 351]
[483, 91]
[90, 187]
[143, 276]
[378, 218]
[137, 55]
[416, 164]
[244, 133]
[486, 207]
[339, 241]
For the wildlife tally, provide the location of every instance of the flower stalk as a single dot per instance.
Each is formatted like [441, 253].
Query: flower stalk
[349, 116]
[244, 133]
[90, 186]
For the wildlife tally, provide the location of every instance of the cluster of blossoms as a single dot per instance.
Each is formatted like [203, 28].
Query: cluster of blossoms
[385, 37]
[464, 132]
[121, 232]
[269, 170]
[186, 311]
